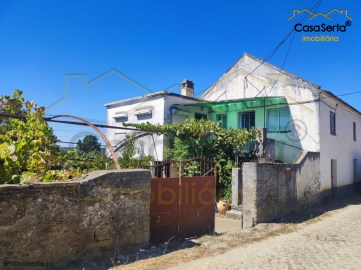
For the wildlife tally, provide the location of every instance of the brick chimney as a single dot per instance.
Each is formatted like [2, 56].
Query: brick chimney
[187, 88]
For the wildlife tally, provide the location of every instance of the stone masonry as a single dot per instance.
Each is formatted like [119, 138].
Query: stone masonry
[98, 216]
[272, 190]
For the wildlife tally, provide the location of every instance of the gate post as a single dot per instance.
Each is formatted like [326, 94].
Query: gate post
[236, 188]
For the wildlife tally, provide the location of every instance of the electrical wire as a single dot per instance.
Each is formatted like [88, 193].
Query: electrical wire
[274, 51]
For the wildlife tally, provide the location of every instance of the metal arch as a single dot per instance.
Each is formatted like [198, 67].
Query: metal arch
[110, 148]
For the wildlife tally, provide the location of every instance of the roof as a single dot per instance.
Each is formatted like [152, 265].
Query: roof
[329, 93]
[262, 62]
[153, 95]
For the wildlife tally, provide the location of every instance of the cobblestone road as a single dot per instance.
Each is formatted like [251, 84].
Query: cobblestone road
[331, 243]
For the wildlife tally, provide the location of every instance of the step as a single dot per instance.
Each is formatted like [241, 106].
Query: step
[235, 214]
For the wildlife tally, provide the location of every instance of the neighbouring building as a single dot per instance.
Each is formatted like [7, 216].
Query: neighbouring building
[155, 108]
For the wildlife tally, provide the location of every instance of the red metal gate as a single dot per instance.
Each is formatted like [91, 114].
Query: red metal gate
[183, 198]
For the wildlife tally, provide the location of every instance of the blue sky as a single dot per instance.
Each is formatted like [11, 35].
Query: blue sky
[158, 44]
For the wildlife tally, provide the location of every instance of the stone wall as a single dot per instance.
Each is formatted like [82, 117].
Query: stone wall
[99, 216]
[272, 190]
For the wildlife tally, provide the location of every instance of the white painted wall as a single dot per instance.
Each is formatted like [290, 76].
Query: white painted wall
[341, 147]
[238, 83]
[145, 146]
[160, 105]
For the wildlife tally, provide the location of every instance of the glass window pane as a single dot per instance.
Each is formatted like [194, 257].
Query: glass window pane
[252, 120]
[332, 123]
[246, 120]
[284, 119]
[224, 121]
[273, 120]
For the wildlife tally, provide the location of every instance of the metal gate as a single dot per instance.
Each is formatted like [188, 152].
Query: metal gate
[182, 199]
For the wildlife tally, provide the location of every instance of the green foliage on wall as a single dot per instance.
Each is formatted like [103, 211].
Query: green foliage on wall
[201, 138]
[127, 153]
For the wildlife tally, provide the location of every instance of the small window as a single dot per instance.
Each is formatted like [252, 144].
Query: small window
[223, 119]
[332, 123]
[354, 131]
[278, 120]
[200, 116]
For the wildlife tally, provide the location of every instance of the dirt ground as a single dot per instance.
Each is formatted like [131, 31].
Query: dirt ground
[305, 240]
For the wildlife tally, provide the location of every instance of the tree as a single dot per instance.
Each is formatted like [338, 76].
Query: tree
[89, 144]
[87, 156]
[27, 143]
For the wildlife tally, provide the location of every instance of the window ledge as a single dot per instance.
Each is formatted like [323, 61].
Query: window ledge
[279, 131]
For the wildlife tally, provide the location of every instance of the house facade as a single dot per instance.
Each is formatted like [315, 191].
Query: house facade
[299, 118]
[319, 121]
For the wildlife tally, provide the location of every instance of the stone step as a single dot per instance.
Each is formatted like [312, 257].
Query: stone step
[235, 214]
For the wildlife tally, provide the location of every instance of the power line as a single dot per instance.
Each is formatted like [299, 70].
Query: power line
[348, 94]
[274, 51]
[83, 124]
[59, 141]
[18, 116]
[284, 62]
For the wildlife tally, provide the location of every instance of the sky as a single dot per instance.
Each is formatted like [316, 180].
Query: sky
[53, 49]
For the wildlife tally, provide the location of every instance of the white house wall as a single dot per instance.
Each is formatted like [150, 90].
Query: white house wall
[160, 105]
[170, 101]
[268, 81]
[148, 145]
[341, 146]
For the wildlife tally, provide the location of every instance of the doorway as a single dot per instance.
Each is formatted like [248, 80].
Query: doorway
[247, 120]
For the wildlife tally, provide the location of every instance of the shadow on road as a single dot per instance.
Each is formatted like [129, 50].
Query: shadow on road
[315, 211]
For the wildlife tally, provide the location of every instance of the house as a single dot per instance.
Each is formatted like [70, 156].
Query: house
[155, 108]
[299, 117]
[311, 119]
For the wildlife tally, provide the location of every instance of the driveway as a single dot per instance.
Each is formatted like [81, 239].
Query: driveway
[331, 243]
[324, 237]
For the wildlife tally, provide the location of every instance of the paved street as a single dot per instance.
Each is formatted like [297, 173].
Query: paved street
[331, 243]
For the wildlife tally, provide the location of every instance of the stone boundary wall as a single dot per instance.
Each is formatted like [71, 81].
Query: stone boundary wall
[62, 223]
[272, 190]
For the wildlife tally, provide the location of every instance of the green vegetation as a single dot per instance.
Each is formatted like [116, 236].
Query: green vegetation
[87, 156]
[201, 138]
[127, 159]
[29, 150]
[27, 144]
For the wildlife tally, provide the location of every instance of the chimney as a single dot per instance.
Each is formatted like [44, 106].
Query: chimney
[187, 88]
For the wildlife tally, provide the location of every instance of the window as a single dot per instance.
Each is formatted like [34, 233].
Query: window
[200, 116]
[278, 119]
[332, 123]
[223, 119]
[354, 131]
[247, 120]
